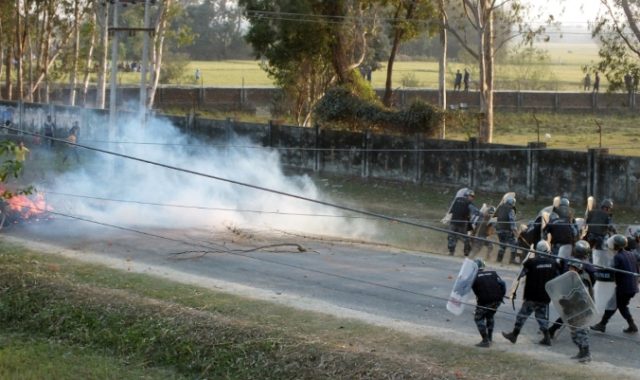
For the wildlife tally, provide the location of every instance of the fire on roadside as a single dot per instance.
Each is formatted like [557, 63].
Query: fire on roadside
[24, 207]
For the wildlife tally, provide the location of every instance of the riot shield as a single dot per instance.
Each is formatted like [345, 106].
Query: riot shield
[565, 251]
[604, 290]
[581, 223]
[462, 287]
[571, 299]
[459, 194]
[510, 194]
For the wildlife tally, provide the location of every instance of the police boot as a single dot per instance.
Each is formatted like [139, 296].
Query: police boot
[632, 329]
[599, 327]
[500, 256]
[485, 341]
[555, 326]
[583, 356]
[512, 260]
[546, 340]
[512, 336]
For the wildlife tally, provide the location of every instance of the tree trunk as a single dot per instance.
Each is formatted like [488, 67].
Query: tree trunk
[158, 45]
[7, 82]
[19, 51]
[76, 53]
[87, 69]
[397, 35]
[442, 69]
[102, 15]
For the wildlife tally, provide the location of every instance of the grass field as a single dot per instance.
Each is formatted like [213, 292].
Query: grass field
[563, 72]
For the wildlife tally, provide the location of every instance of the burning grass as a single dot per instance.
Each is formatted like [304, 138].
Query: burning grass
[169, 330]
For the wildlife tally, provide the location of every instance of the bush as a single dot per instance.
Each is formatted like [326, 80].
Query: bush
[339, 106]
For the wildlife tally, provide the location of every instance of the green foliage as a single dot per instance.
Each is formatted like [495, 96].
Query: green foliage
[340, 106]
[410, 80]
[173, 68]
[619, 44]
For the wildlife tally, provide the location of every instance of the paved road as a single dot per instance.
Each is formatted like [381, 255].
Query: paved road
[406, 290]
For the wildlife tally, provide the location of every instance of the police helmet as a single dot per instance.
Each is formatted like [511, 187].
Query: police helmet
[617, 242]
[470, 193]
[479, 263]
[543, 246]
[607, 203]
[492, 210]
[511, 201]
[582, 249]
[564, 202]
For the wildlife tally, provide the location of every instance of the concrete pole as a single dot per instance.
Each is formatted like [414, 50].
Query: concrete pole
[114, 73]
[145, 62]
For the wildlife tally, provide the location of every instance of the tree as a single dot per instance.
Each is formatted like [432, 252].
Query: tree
[217, 25]
[619, 36]
[478, 37]
[408, 19]
[308, 45]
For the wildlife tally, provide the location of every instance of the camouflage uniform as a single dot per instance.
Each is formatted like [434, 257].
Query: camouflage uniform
[539, 308]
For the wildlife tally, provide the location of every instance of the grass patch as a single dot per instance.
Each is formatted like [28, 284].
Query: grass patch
[113, 323]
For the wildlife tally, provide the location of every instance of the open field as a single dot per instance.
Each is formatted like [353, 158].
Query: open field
[563, 72]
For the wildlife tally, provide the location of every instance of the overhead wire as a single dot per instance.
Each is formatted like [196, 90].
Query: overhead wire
[244, 253]
[223, 249]
[300, 197]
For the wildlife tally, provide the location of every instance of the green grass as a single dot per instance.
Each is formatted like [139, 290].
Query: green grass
[563, 71]
[66, 319]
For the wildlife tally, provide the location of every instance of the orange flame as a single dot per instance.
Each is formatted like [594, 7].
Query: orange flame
[26, 206]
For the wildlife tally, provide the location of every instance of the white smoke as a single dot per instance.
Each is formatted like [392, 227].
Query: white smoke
[120, 178]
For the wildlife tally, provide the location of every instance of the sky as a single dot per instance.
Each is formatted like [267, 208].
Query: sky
[569, 12]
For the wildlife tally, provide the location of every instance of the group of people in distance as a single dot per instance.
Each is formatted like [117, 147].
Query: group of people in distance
[589, 247]
[460, 79]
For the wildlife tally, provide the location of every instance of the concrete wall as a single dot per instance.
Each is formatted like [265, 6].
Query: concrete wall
[252, 98]
[532, 171]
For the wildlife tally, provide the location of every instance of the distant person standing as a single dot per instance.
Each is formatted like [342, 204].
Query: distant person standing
[457, 81]
[466, 80]
[587, 82]
[596, 83]
[48, 129]
[198, 75]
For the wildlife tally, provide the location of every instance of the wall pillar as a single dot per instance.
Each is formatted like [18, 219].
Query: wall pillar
[593, 165]
[533, 149]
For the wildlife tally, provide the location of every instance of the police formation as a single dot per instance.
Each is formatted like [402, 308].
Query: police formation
[581, 265]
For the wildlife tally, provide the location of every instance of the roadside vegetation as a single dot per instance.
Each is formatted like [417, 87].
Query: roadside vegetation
[65, 319]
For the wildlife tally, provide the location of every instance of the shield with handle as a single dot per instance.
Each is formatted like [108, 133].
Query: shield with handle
[459, 194]
[462, 287]
[571, 299]
[604, 290]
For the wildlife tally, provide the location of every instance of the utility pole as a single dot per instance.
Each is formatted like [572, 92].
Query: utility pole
[114, 71]
[145, 62]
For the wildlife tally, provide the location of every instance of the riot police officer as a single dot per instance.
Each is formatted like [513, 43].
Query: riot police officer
[600, 224]
[507, 229]
[463, 211]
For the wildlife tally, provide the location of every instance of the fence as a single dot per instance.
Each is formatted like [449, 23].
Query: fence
[532, 171]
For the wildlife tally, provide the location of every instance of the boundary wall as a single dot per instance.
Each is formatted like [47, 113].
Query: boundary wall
[532, 171]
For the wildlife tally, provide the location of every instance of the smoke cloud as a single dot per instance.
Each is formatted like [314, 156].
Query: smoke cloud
[106, 176]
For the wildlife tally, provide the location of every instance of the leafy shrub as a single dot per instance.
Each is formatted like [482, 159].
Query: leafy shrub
[341, 108]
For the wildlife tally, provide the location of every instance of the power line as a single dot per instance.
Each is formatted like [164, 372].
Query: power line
[303, 198]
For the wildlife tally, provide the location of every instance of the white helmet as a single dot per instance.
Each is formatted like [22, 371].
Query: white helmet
[543, 246]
